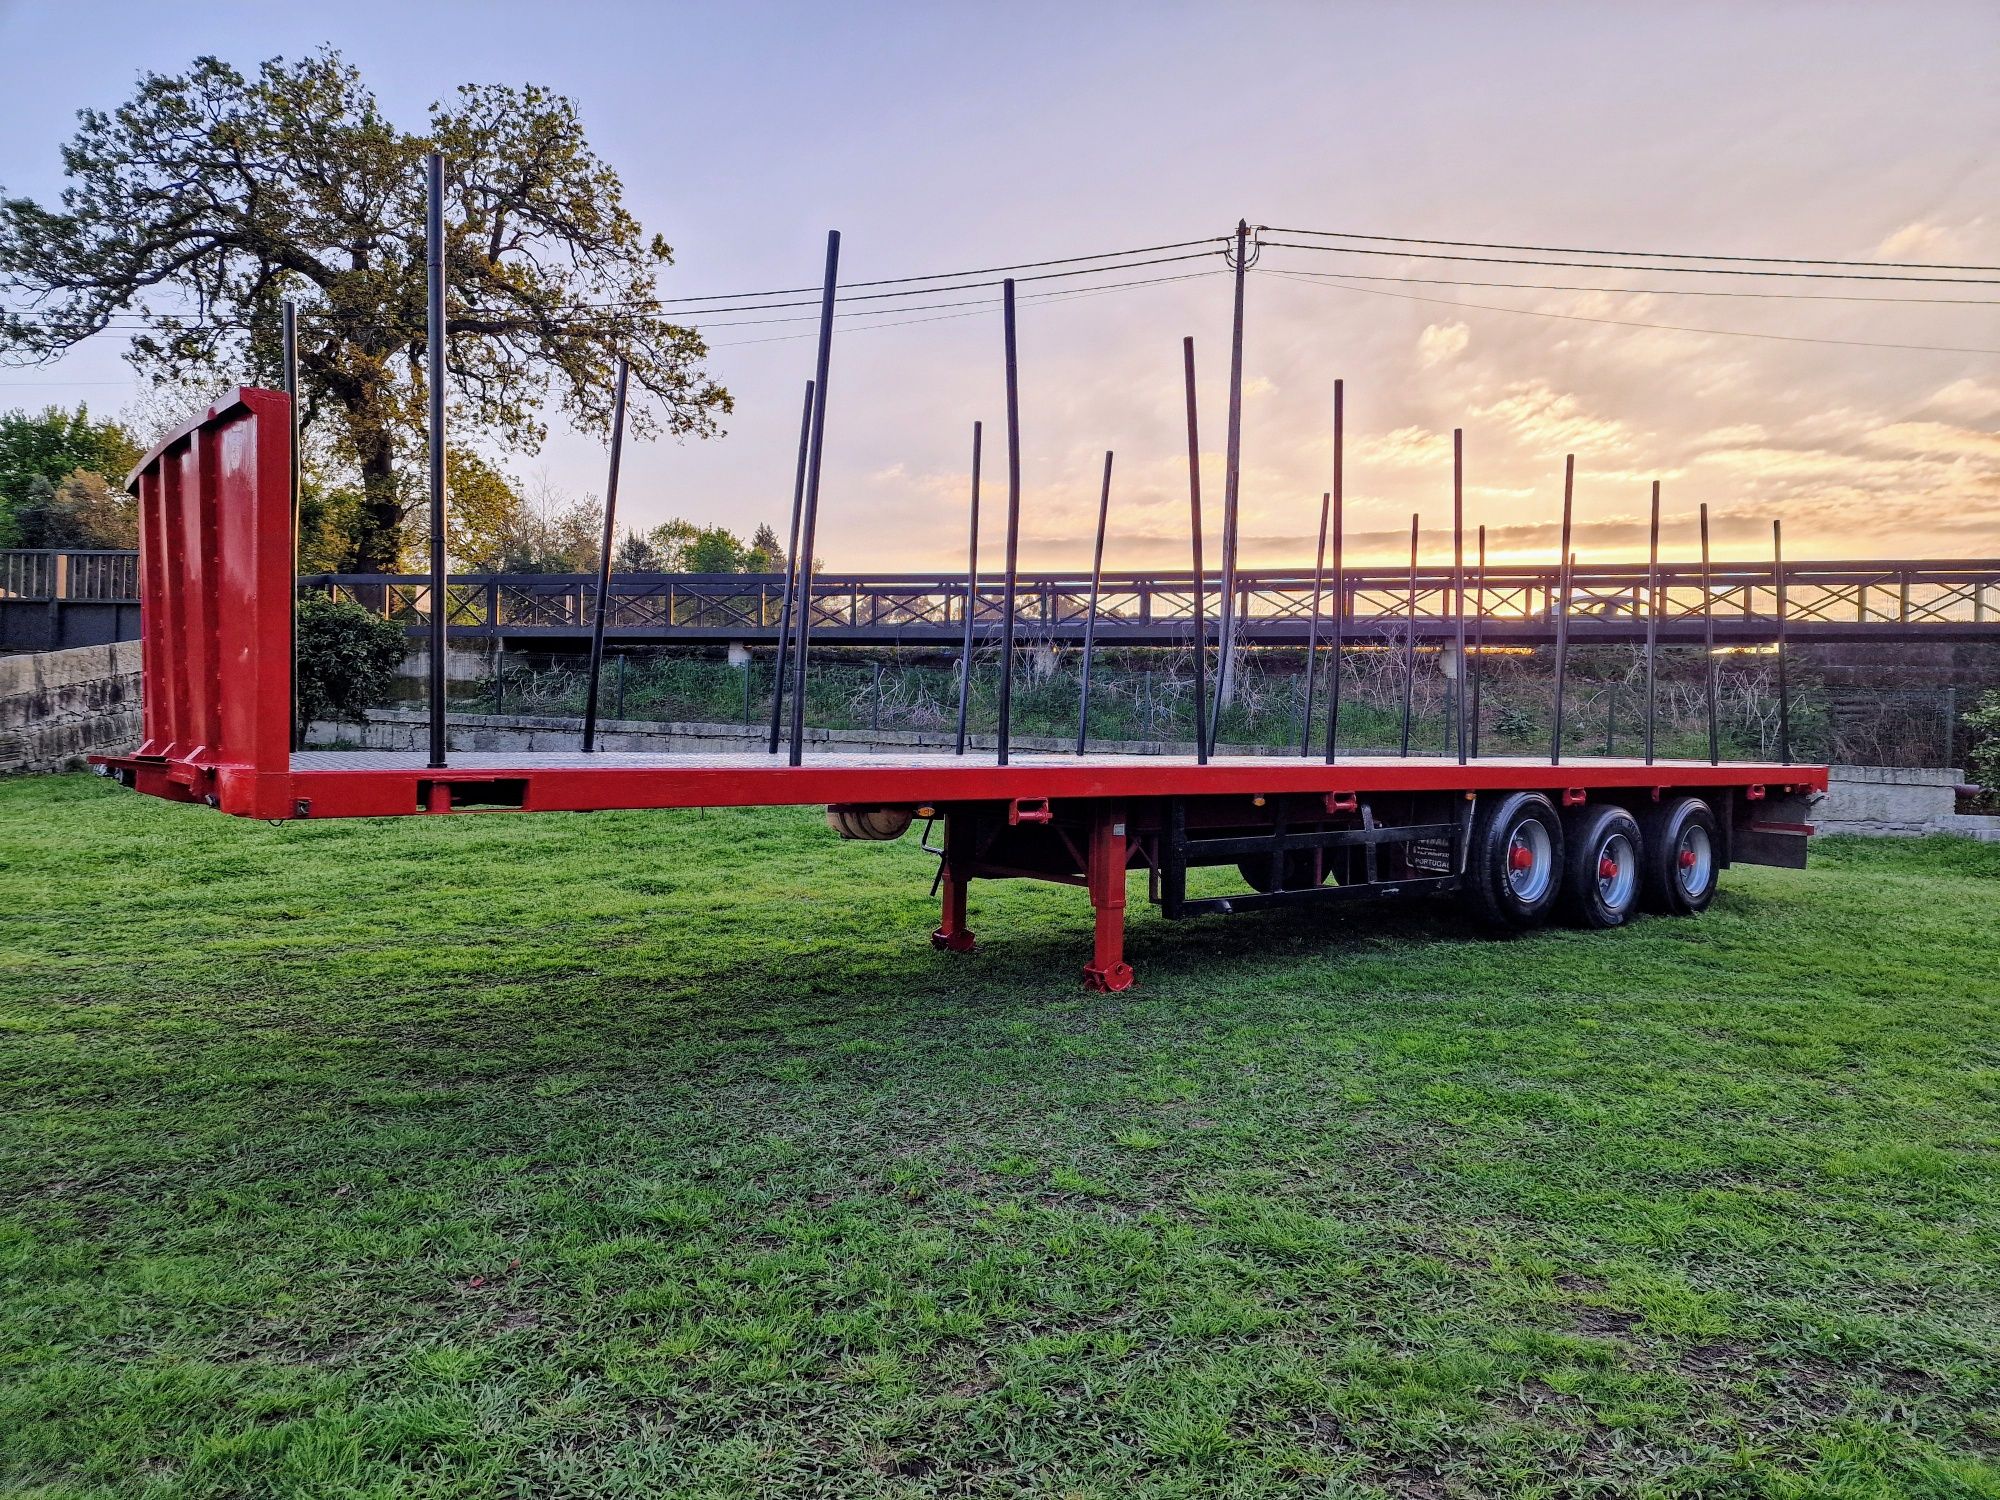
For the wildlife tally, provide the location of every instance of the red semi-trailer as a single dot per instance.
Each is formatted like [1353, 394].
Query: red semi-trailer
[1519, 840]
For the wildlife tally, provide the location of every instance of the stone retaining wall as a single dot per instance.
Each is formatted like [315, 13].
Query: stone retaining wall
[58, 706]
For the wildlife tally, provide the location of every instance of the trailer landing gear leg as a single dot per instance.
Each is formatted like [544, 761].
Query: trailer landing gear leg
[1107, 969]
[952, 934]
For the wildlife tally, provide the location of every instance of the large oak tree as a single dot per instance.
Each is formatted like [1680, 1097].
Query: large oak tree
[192, 210]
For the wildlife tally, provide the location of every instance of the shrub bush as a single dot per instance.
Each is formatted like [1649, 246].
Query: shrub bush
[347, 659]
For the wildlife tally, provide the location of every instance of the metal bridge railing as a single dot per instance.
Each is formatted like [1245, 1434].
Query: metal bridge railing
[87, 575]
[1852, 598]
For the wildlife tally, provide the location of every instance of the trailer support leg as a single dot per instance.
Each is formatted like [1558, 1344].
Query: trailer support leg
[952, 934]
[1107, 969]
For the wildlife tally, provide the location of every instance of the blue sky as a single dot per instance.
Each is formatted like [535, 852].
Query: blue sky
[946, 136]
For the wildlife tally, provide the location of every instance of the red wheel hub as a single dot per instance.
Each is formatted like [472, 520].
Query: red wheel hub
[1607, 868]
[1521, 857]
[1687, 859]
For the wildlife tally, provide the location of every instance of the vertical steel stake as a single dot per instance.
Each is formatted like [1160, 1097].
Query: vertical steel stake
[291, 361]
[1410, 641]
[1479, 642]
[1090, 620]
[1708, 646]
[809, 526]
[971, 598]
[1784, 696]
[604, 564]
[1013, 518]
[1652, 623]
[1562, 614]
[1312, 630]
[1458, 580]
[1200, 627]
[1225, 674]
[435, 363]
[1339, 570]
[792, 574]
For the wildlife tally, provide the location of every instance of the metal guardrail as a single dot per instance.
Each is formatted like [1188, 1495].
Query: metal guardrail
[1911, 600]
[1830, 600]
[89, 575]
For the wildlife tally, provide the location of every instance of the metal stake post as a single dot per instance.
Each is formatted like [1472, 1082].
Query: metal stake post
[1339, 571]
[435, 362]
[1479, 642]
[1562, 614]
[1708, 645]
[1410, 641]
[1652, 623]
[1200, 627]
[1784, 696]
[809, 527]
[792, 574]
[1013, 519]
[604, 564]
[971, 598]
[1458, 580]
[291, 360]
[1312, 630]
[1090, 620]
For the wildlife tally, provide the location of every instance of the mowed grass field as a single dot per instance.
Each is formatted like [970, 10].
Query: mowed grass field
[659, 1154]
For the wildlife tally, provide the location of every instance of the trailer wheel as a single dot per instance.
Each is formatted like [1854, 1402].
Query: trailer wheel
[1682, 857]
[1603, 870]
[1298, 872]
[1514, 868]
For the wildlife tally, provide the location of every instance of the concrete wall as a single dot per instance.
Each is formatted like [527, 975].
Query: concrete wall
[1895, 800]
[57, 706]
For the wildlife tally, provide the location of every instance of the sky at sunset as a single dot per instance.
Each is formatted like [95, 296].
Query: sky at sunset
[942, 137]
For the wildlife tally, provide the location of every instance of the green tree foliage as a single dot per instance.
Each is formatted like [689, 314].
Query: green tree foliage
[46, 454]
[552, 533]
[635, 554]
[209, 196]
[1984, 722]
[483, 513]
[679, 546]
[347, 658]
[766, 553]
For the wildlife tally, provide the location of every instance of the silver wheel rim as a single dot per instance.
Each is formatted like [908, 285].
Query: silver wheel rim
[1529, 878]
[1617, 872]
[1694, 859]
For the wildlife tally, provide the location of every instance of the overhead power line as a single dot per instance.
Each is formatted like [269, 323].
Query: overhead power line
[1663, 291]
[1025, 265]
[1592, 265]
[1324, 279]
[1764, 260]
[133, 323]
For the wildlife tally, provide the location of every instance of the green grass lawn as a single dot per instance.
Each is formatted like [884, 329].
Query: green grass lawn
[652, 1154]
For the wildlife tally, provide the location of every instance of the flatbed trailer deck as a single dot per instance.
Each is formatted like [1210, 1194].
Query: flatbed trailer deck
[1520, 839]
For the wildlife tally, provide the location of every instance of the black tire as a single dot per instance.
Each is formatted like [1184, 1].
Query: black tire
[1683, 857]
[1500, 893]
[1299, 872]
[1603, 865]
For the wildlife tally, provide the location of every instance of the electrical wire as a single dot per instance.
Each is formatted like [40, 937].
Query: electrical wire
[682, 314]
[977, 305]
[1307, 278]
[1589, 265]
[1671, 291]
[1064, 295]
[1768, 260]
[1025, 265]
